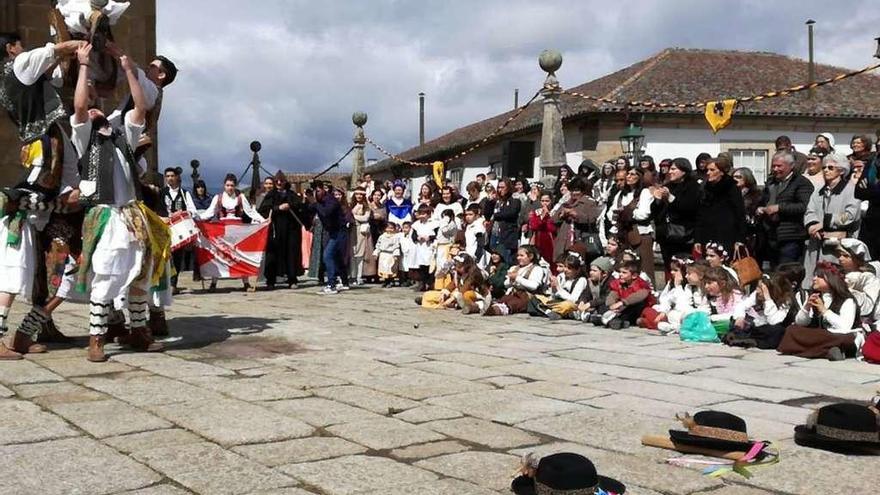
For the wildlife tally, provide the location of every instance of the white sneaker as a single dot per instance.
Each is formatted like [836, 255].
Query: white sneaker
[665, 327]
[326, 291]
[341, 287]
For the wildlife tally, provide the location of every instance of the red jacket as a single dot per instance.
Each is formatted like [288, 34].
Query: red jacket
[639, 290]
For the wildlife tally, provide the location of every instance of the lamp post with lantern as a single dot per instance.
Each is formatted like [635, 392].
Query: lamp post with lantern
[632, 141]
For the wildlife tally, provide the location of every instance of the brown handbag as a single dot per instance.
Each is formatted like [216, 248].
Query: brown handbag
[628, 230]
[746, 267]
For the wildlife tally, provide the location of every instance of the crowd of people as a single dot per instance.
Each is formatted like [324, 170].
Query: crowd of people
[699, 250]
[785, 265]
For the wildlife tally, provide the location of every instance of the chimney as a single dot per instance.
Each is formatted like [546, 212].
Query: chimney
[812, 67]
[516, 98]
[421, 118]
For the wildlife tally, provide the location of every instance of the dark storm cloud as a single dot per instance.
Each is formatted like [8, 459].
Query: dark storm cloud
[290, 73]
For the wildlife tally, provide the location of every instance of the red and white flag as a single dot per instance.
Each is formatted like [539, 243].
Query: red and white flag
[231, 249]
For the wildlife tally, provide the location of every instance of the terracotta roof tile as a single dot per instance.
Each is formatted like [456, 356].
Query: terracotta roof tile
[685, 75]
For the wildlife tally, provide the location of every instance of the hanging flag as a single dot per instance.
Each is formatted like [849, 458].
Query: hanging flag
[439, 173]
[719, 114]
[231, 249]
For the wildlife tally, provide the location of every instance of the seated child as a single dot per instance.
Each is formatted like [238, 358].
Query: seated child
[565, 288]
[592, 303]
[497, 271]
[724, 295]
[761, 318]
[673, 301]
[629, 296]
[523, 281]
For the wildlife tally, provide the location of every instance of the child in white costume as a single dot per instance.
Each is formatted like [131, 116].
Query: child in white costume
[388, 251]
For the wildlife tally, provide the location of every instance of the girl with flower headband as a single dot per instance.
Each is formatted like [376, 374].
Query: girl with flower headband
[718, 257]
[828, 325]
[672, 302]
[760, 319]
[724, 295]
[566, 288]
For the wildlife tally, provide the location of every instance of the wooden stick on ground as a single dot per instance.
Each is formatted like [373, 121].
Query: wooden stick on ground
[664, 442]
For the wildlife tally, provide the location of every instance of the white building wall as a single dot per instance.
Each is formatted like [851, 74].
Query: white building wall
[672, 143]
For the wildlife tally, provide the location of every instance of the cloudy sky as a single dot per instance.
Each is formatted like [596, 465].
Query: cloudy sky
[291, 72]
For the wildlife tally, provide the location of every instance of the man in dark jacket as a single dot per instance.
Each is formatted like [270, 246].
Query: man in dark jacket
[332, 218]
[782, 208]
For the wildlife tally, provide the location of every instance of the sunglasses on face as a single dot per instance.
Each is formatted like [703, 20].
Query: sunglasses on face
[829, 167]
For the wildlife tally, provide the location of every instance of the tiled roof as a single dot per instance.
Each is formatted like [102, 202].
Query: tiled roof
[685, 75]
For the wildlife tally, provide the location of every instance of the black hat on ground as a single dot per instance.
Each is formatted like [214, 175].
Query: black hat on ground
[714, 430]
[565, 473]
[842, 428]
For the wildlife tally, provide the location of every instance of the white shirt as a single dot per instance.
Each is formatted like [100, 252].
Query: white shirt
[229, 203]
[840, 322]
[123, 182]
[173, 193]
[28, 67]
[151, 94]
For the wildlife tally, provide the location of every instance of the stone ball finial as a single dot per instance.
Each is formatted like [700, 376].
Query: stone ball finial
[256, 146]
[550, 61]
[359, 118]
[195, 164]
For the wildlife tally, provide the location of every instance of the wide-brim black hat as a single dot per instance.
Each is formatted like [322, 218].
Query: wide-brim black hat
[715, 430]
[565, 473]
[523, 485]
[843, 428]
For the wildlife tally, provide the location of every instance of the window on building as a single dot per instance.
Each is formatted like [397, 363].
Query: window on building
[754, 160]
[456, 175]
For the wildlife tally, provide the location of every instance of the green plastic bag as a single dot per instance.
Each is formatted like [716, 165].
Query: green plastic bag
[696, 327]
[721, 327]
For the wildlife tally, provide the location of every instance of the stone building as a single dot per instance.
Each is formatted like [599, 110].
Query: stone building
[135, 33]
[592, 129]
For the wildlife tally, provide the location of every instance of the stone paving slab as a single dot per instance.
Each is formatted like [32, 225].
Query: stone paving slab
[25, 371]
[483, 432]
[106, 418]
[487, 469]
[384, 433]
[75, 465]
[207, 468]
[317, 411]
[24, 422]
[345, 395]
[232, 422]
[365, 398]
[505, 406]
[353, 474]
[299, 450]
[139, 442]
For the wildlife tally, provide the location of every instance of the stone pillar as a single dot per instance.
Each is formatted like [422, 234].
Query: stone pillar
[552, 136]
[359, 119]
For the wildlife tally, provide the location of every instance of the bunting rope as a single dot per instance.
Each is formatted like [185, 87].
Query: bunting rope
[461, 154]
[648, 104]
[742, 99]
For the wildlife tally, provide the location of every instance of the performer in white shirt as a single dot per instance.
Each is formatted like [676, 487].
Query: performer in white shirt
[125, 245]
[47, 178]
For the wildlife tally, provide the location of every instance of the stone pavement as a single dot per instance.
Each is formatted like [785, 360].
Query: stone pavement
[365, 393]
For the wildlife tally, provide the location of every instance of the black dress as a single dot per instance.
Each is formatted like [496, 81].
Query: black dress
[721, 216]
[284, 246]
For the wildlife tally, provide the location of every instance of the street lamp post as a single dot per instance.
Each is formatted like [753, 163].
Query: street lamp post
[195, 164]
[877, 54]
[632, 141]
[255, 170]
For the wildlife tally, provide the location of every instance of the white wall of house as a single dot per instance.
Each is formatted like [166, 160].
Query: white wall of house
[752, 145]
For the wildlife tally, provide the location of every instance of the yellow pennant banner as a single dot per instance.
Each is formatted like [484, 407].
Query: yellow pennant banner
[719, 114]
[439, 173]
